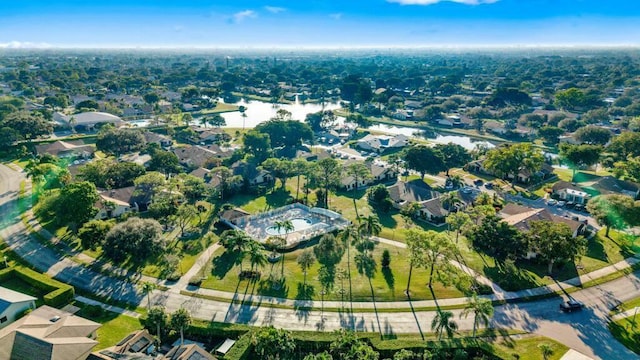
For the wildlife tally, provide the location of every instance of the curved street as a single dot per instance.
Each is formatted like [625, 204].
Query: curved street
[585, 331]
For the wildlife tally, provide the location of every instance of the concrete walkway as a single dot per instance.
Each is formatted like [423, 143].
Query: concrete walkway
[197, 267]
[111, 308]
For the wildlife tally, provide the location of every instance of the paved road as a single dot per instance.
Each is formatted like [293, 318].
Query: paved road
[585, 331]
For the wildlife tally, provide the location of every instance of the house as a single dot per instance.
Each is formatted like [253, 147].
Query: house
[610, 185]
[136, 158]
[137, 345]
[197, 156]
[188, 352]
[521, 217]
[251, 174]
[154, 138]
[402, 193]
[115, 202]
[48, 333]
[210, 136]
[13, 304]
[381, 143]
[65, 149]
[87, 120]
[377, 174]
[230, 216]
[567, 191]
[433, 211]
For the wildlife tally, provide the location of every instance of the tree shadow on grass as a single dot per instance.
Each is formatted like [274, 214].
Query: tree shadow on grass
[277, 198]
[223, 263]
[387, 273]
[273, 287]
[305, 292]
[511, 280]
[595, 249]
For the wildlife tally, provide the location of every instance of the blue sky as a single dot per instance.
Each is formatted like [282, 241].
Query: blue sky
[317, 23]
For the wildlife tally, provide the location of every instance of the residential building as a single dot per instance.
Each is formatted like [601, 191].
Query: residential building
[522, 216]
[610, 185]
[137, 345]
[188, 352]
[86, 120]
[48, 333]
[251, 174]
[402, 193]
[377, 174]
[13, 304]
[567, 191]
[155, 138]
[197, 156]
[381, 143]
[65, 149]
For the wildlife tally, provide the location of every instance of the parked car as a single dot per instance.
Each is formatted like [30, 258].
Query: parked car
[571, 305]
[466, 190]
[551, 202]
[575, 218]
[489, 185]
[561, 203]
[478, 182]
[579, 207]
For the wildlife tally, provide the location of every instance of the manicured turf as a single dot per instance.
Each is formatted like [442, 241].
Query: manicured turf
[114, 326]
[627, 331]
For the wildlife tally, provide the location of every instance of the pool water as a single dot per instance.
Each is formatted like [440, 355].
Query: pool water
[298, 225]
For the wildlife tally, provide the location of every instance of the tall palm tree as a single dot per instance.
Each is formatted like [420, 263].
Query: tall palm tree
[156, 316]
[180, 320]
[359, 172]
[450, 200]
[256, 255]
[147, 288]
[370, 226]
[346, 236]
[306, 260]
[443, 323]
[300, 167]
[482, 310]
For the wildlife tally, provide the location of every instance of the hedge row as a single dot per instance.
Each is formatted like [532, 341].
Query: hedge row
[58, 294]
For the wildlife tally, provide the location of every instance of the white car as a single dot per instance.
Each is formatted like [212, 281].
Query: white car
[466, 190]
[562, 203]
[551, 202]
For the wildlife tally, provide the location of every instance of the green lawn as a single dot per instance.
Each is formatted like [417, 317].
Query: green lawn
[22, 286]
[388, 285]
[601, 251]
[627, 332]
[527, 348]
[114, 326]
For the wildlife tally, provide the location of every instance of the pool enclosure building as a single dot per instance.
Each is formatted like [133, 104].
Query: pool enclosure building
[307, 223]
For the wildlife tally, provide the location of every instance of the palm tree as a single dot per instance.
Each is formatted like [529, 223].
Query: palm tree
[299, 168]
[546, 350]
[482, 310]
[306, 260]
[458, 221]
[347, 235]
[204, 121]
[443, 323]
[180, 320]
[359, 172]
[456, 181]
[256, 255]
[370, 226]
[450, 200]
[147, 289]
[156, 316]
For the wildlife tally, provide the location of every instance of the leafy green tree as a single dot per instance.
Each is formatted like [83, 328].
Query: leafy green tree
[554, 242]
[76, 202]
[119, 141]
[625, 145]
[443, 323]
[498, 239]
[151, 98]
[329, 251]
[509, 160]
[416, 247]
[111, 174]
[257, 145]
[453, 156]
[93, 233]
[27, 125]
[271, 343]
[326, 175]
[482, 310]
[546, 350]
[509, 97]
[299, 168]
[319, 356]
[180, 321]
[136, 238]
[424, 159]
[614, 211]
[280, 168]
[570, 99]
[593, 135]
[185, 214]
[550, 134]
[165, 162]
[458, 221]
[580, 156]
[289, 133]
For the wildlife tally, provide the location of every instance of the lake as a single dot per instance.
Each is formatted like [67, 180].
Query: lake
[259, 111]
[464, 141]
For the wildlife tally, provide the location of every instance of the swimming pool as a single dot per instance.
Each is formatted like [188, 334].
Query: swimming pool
[299, 224]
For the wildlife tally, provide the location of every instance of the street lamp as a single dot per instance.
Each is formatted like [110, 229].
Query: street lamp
[6, 265]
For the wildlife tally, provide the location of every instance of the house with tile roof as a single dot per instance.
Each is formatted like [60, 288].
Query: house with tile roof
[64, 149]
[48, 333]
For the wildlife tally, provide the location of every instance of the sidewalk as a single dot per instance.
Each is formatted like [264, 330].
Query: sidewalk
[111, 308]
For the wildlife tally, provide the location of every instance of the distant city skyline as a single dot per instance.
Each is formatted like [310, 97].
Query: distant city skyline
[318, 23]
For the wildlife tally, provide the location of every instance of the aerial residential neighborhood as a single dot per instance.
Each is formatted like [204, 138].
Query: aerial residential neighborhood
[435, 179]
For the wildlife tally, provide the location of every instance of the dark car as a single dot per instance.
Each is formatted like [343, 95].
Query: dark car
[478, 182]
[489, 185]
[571, 305]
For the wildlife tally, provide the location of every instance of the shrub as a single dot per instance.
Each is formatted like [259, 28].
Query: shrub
[195, 280]
[59, 294]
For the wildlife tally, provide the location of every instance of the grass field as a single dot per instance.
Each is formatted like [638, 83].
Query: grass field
[627, 332]
[388, 284]
[528, 348]
[114, 326]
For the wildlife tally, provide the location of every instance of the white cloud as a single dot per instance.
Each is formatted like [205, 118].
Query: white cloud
[431, 2]
[24, 45]
[246, 14]
[336, 16]
[275, 9]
